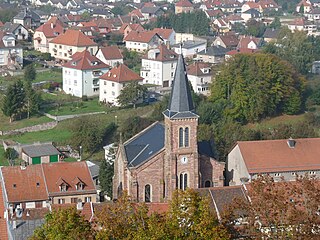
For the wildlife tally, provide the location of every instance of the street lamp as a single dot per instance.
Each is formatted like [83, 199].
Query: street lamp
[80, 153]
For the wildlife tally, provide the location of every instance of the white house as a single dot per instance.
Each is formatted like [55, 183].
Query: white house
[167, 34]
[142, 41]
[17, 29]
[200, 77]
[112, 82]
[277, 158]
[190, 48]
[81, 74]
[110, 55]
[158, 66]
[11, 55]
[65, 45]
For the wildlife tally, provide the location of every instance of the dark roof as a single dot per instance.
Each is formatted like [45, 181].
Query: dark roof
[271, 33]
[253, 12]
[190, 44]
[151, 10]
[205, 148]
[40, 150]
[181, 104]
[214, 51]
[145, 145]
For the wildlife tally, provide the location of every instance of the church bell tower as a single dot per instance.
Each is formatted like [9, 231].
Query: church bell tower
[181, 122]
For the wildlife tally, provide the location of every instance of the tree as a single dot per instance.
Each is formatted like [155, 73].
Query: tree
[105, 177]
[86, 16]
[90, 133]
[255, 28]
[276, 24]
[32, 99]
[13, 101]
[131, 94]
[132, 126]
[10, 154]
[6, 15]
[277, 210]
[64, 224]
[255, 86]
[30, 73]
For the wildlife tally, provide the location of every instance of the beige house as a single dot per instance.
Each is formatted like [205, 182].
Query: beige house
[65, 45]
[142, 41]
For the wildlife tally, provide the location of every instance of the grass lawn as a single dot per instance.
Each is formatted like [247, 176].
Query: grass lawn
[3, 160]
[77, 107]
[6, 125]
[49, 75]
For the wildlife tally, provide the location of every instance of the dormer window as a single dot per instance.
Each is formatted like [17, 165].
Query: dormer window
[63, 187]
[80, 186]
[74, 63]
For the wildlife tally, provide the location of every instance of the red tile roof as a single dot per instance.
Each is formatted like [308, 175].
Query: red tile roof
[111, 52]
[69, 172]
[143, 37]
[184, 3]
[121, 73]
[163, 32]
[244, 41]
[3, 222]
[230, 40]
[195, 69]
[21, 183]
[73, 38]
[276, 155]
[85, 61]
[136, 12]
[133, 26]
[52, 28]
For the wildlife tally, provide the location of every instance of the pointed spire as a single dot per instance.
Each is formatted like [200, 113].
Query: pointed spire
[181, 99]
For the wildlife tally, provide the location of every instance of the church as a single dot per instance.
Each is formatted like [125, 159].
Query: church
[166, 155]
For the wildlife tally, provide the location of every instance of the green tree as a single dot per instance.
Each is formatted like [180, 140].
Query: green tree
[30, 73]
[255, 28]
[11, 155]
[13, 101]
[132, 126]
[105, 177]
[86, 16]
[276, 24]
[6, 15]
[131, 94]
[64, 224]
[32, 99]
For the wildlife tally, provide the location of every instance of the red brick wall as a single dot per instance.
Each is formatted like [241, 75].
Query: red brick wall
[211, 170]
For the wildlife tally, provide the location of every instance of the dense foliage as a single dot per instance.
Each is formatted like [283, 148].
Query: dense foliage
[297, 48]
[251, 87]
[277, 210]
[106, 172]
[132, 126]
[30, 73]
[131, 94]
[195, 22]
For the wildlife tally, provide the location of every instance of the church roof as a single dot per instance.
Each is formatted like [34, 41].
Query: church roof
[145, 145]
[181, 104]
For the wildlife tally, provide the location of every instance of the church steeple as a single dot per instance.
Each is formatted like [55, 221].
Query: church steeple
[181, 104]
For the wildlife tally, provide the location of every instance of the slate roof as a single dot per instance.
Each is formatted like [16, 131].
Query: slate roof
[181, 104]
[11, 27]
[40, 150]
[271, 33]
[151, 10]
[144, 145]
[190, 44]
[276, 156]
[214, 51]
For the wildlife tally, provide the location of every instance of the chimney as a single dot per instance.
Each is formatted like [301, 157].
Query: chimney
[291, 143]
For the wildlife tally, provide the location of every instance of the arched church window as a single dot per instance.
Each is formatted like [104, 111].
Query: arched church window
[207, 183]
[183, 181]
[181, 137]
[147, 193]
[119, 190]
[186, 137]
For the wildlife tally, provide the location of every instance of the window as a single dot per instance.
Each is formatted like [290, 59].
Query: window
[312, 173]
[186, 137]
[87, 199]
[277, 174]
[63, 187]
[207, 183]
[61, 201]
[181, 137]
[112, 84]
[38, 184]
[147, 193]
[183, 181]
[113, 93]
[74, 200]
[75, 82]
[104, 83]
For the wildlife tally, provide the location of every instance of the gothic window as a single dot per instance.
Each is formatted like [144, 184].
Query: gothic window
[186, 137]
[147, 193]
[183, 181]
[181, 137]
[207, 183]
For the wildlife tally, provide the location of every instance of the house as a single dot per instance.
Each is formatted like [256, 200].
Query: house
[27, 18]
[40, 153]
[46, 32]
[240, 50]
[314, 15]
[166, 156]
[200, 77]
[183, 6]
[268, 6]
[151, 12]
[126, 28]
[65, 45]
[304, 6]
[89, 29]
[270, 34]
[142, 41]
[250, 5]
[231, 6]
[190, 48]
[221, 25]
[300, 24]
[110, 55]
[18, 30]
[213, 54]
[158, 66]
[213, 14]
[249, 42]
[229, 41]
[114, 81]
[285, 158]
[251, 14]
[81, 74]
[40, 185]
[104, 26]
[102, 13]
[167, 34]
[11, 54]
